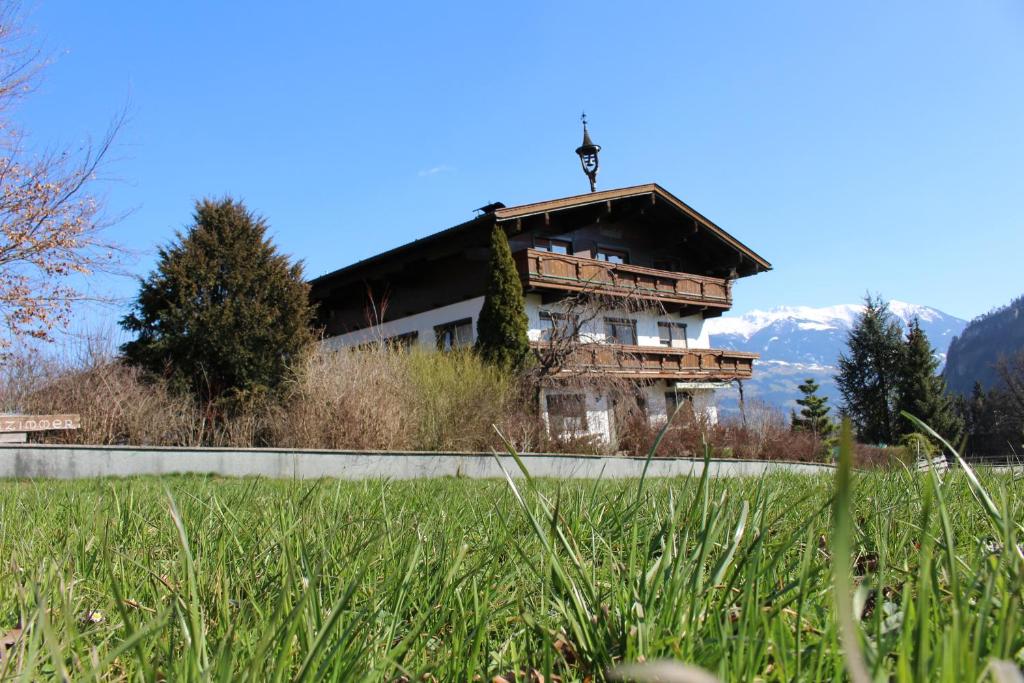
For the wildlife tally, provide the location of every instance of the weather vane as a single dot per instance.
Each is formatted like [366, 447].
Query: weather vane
[588, 154]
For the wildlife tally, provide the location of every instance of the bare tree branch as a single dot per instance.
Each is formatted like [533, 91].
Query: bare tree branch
[50, 223]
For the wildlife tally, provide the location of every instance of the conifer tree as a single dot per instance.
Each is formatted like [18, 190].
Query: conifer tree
[869, 373]
[814, 410]
[501, 329]
[921, 390]
[223, 313]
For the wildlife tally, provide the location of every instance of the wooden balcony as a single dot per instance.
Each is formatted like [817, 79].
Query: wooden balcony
[655, 362]
[542, 270]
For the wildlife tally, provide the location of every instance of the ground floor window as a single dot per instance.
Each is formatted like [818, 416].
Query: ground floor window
[454, 334]
[675, 399]
[567, 414]
[402, 342]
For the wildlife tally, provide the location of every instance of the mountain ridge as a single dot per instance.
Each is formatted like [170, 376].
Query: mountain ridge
[800, 342]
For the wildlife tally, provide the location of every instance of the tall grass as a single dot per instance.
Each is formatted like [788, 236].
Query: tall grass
[197, 578]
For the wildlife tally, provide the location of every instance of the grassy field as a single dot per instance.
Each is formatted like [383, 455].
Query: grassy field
[190, 578]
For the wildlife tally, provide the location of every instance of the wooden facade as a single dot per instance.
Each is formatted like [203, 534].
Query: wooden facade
[652, 362]
[541, 270]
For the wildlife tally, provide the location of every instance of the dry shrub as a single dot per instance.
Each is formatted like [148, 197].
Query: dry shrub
[456, 400]
[869, 457]
[346, 399]
[379, 398]
[117, 404]
[764, 435]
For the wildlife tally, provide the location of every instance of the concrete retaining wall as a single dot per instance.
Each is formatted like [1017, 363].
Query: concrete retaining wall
[78, 462]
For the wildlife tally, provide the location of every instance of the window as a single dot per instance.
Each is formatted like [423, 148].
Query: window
[612, 255]
[672, 334]
[567, 414]
[403, 342]
[669, 264]
[620, 331]
[454, 334]
[552, 245]
[556, 325]
[675, 399]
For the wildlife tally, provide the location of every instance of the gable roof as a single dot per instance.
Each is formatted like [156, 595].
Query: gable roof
[501, 215]
[624, 193]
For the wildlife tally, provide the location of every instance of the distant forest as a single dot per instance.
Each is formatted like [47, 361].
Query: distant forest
[975, 354]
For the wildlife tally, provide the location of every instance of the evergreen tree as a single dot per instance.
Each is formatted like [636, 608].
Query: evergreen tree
[224, 312]
[814, 410]
[501, 330]
[869, 373]
[922, 391]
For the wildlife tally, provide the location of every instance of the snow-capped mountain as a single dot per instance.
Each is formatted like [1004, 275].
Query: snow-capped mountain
[797, 342]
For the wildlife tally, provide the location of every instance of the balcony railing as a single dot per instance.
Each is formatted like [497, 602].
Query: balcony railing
[654, 362]
[544, 270]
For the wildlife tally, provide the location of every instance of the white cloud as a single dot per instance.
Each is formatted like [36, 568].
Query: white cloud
[443, 168]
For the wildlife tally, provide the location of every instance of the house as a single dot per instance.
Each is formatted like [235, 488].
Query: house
[657, 268]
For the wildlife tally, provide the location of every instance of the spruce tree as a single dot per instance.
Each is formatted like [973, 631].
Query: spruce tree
[501, 329]
[869, 373]
[921, 390]
[223, 313]
[814, 410]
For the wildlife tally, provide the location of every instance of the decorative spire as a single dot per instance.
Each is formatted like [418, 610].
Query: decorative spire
[588, 155]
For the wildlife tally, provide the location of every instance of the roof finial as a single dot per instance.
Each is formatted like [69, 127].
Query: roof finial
[588, 154]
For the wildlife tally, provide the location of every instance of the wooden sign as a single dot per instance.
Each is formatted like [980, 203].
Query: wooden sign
[38, 423]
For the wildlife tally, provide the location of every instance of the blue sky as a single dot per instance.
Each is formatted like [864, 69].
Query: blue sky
[858, 146]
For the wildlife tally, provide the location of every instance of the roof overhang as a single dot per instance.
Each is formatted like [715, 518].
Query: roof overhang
[652, 190]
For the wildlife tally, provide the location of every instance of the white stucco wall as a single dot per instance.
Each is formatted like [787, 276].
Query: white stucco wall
[422, 323]
[646, 324]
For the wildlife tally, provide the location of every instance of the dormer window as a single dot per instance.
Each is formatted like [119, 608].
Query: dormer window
[552, 245]
[620, 256]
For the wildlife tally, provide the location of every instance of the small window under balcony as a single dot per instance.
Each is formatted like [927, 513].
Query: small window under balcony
[672, 335]
[620, 331]
[454, 334]
[558, 326]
